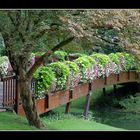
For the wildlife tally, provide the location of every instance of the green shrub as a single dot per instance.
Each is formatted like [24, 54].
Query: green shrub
[114, 57]
[4, 62]
[122, 60]
[73, 67]
[91, 60]
[61, 73]
[60, 55]
[102, 59]
[84, 64]
[74, 73]
[44, 77]
[129, 62]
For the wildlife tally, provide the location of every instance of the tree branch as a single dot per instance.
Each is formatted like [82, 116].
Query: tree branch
[44, 57]
[11, 18]
[10, 52]
[107, 40]
[40, 34]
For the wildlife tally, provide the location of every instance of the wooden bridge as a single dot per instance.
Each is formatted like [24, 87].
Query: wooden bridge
[10, 96]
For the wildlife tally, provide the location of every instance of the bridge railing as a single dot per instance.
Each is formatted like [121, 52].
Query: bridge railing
[9, 91]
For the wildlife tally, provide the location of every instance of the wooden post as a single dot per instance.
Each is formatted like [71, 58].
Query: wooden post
[104, 91]
[138, 86]
[88, 98]
[68, 105]
[114, 89]
[17, 96]
[3, 92]
[129, 75]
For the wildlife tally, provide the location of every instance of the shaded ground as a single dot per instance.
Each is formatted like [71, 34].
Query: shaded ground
[124, 120]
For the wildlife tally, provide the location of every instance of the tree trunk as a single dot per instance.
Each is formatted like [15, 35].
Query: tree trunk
[28, 103]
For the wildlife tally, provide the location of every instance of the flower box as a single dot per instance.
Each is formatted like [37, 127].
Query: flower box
[123, 77]
[79, 91]
[56, 99]
[112, 79]
[41, 105]
[51, 101]
[132, 75]
[98, 83]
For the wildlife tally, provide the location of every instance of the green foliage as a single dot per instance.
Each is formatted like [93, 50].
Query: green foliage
[74, 47]
[38, 53]
[2, 46]
[4, 61]
[82, 69]
[73, 67]
[130, 103]
[114, 58]
[78, 54]
[91, 60]
[84, 64]
[44, 77]
[60, 55]
[74, 77]
[127, 102]
[32, 55]
[102, 59]
[120, 55]
[61, 73]
[130, 62]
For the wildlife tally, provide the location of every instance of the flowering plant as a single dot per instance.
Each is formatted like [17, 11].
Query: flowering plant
[61, 72]
[103, 63]
[115, 64]
[45, 78]
[84, 64]
[69, 74]
[129, 62]
[122, 61]
[74, 74]
[4, 63]
[90, 71]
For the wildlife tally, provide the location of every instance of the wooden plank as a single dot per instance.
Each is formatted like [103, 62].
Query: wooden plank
[68, 105]
[87, 104]
[17, 92]
[6, 93]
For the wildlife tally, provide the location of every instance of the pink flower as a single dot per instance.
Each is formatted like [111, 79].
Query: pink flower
[96, 71]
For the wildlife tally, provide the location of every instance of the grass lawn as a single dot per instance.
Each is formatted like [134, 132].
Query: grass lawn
[10, 121]
[57, 120]
[74, 121]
